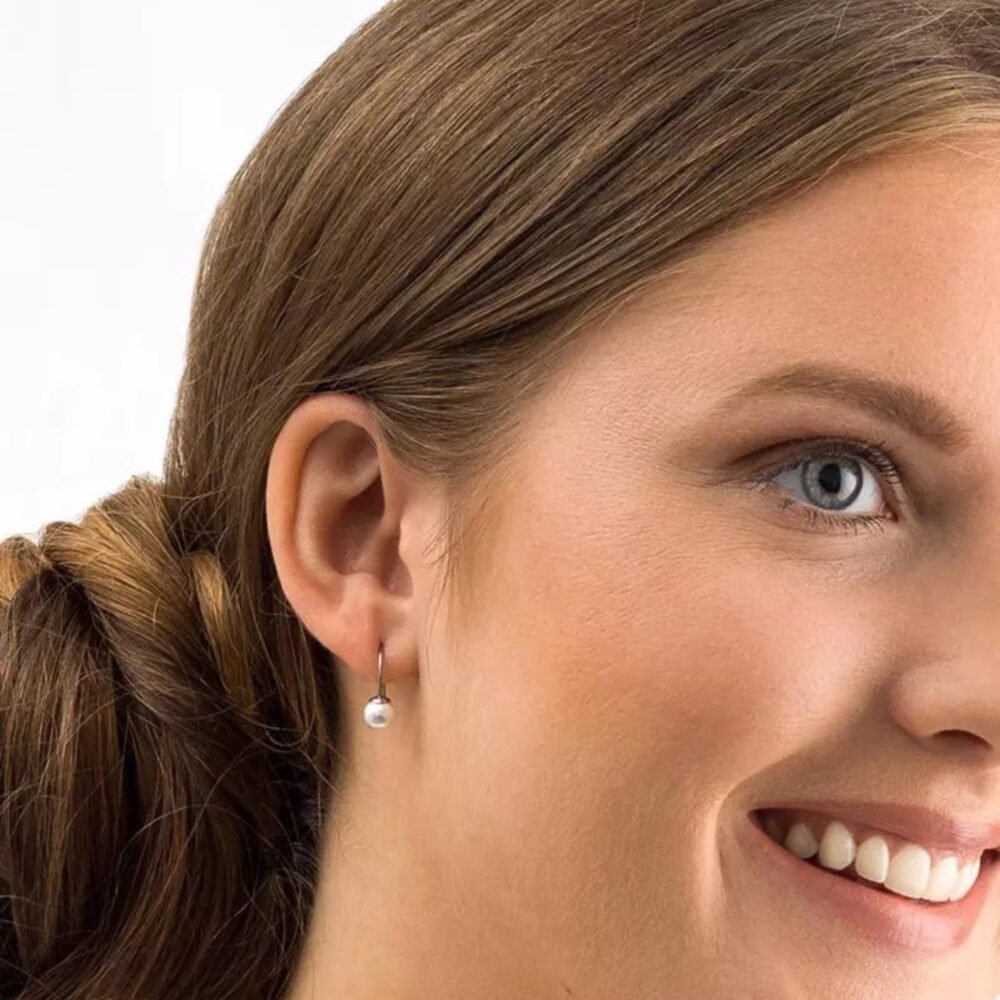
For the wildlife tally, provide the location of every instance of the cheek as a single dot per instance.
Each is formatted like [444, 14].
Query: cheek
[683, 649]
[615, 686]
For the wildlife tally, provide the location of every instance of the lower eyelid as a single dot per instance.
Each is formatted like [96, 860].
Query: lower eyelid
[841, 522]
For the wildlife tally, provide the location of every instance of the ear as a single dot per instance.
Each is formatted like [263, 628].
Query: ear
[340, 512]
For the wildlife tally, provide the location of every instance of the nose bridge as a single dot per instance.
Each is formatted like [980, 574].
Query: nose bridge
[973, 570]
[967, 567]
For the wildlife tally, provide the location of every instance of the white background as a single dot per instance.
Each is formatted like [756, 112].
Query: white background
[123, 120]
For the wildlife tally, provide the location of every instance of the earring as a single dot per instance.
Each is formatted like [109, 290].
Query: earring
[378, 709]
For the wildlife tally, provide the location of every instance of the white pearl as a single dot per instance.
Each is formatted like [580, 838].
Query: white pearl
[378, 712]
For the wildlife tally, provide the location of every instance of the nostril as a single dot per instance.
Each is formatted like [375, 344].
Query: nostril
[960, 736]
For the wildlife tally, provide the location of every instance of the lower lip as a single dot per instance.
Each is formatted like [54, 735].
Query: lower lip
[901, 923]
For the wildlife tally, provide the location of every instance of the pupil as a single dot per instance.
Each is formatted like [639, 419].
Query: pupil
[830, 478]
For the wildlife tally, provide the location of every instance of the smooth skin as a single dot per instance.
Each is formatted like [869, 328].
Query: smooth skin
[560, 806]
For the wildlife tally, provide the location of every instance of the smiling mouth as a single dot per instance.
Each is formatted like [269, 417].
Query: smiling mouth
[879, 862]
[906, 926]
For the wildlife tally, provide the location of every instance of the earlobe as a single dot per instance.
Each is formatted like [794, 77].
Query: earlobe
[331, 509]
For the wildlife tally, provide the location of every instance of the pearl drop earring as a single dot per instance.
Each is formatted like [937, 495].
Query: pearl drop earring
[378, 709]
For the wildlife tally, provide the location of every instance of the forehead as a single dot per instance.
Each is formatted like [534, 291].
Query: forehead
[926, 213]
[892, 264]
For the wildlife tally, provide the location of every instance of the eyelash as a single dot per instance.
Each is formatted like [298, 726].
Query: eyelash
[878, 456]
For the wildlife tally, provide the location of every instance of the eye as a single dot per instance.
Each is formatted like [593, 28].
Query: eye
[837, 483]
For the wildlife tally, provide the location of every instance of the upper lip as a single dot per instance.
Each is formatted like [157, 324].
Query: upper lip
[946, 831]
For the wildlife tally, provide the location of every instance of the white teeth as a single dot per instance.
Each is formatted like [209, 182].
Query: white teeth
[943, 880]
[872, 861]
[967, 876]
[909, 871]
[800, 841]
[837, 849]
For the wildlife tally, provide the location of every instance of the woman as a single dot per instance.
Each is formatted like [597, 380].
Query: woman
[575, 567]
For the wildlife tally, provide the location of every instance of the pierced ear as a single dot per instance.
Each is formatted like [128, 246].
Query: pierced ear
[335, 498]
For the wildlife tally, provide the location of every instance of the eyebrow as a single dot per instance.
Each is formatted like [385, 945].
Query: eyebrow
[895, 401]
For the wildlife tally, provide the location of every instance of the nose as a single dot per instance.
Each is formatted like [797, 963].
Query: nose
[946, 692]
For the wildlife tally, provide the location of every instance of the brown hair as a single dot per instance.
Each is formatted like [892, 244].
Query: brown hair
[427, 223]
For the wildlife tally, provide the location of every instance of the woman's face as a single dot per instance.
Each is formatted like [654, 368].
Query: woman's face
[691, 608]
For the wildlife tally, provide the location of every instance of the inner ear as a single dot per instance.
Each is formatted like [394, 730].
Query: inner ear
[342, 503]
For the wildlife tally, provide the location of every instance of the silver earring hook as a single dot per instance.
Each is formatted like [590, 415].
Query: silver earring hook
[378, 709]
